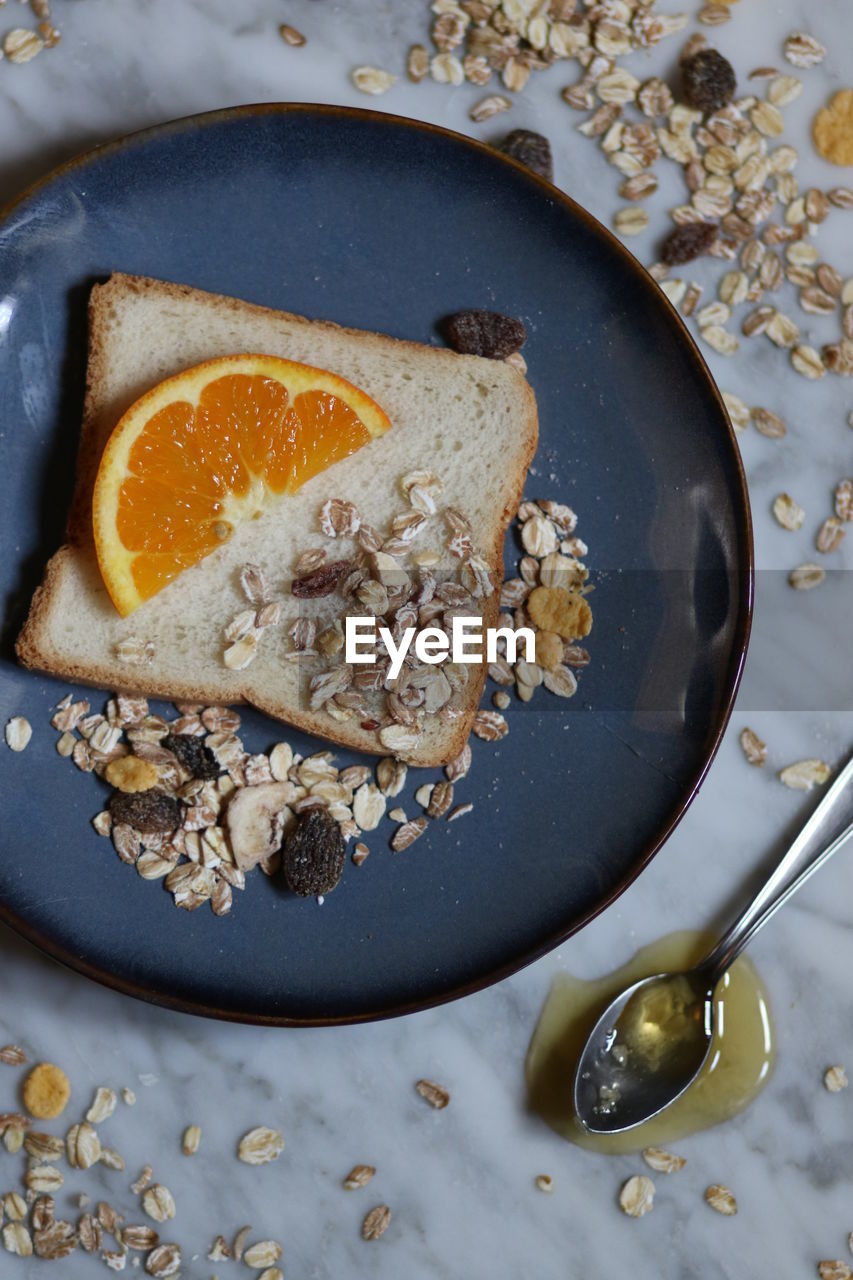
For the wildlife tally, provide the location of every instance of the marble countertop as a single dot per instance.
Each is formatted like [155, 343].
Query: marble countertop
[460, 1182]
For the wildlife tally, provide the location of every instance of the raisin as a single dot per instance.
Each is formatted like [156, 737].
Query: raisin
[195, 757]
[147, 811]
[314, 854]
[708, 81]
[687, 242]
[484, 333]
[530, 149]
[323, 581]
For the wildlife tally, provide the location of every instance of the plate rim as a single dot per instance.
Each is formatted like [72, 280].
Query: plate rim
[746, 571]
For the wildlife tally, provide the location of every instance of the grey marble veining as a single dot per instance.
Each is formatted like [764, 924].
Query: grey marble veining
[460, 1182]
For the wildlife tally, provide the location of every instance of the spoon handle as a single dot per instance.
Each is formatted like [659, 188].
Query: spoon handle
[828, 828]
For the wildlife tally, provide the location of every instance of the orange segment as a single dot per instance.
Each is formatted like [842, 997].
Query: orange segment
[206, 450]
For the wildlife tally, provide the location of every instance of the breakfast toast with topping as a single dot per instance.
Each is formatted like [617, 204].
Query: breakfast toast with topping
[470, 421]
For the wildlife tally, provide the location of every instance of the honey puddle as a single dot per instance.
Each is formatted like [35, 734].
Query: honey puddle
[736, 1069]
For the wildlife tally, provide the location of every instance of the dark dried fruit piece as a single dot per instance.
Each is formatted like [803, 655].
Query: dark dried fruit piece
[708, 81]
[530, 149]
[147, 811]
[323, 581]
[484, 333]
[195, 757]
[687, 242]
[314, 854]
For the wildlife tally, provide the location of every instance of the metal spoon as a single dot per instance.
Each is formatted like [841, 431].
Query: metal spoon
[650, 1043]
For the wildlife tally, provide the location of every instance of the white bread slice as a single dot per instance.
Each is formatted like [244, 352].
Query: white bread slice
[472, 421]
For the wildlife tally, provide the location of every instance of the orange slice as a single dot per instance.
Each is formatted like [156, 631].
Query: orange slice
[206, 450]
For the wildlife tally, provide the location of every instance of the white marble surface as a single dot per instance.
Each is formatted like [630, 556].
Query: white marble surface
[460, 1182]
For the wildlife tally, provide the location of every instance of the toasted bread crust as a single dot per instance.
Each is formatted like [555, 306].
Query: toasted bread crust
[34, 646]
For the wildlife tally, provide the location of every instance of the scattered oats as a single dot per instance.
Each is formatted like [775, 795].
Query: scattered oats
[435, 1094]
[139, 1237]
[263, 1254]
[240, 1243]
[65, 744]
[753, 748]
[721, 1199]
[493, 105]
[44, 1180]
[490, 726]
[835, 1079]
[407, 833]
[164, 1261]
[12, 1055]
[13, 1140]
[805, 774]
[767, 119]
[358, 1176]
[15, 1207]
[544, 1182]
[806, 576]
[630, 221]
[159, 1203]
[833, 1269]
[788, 512]
[128, 1097]
[844, 499]
[808, 362]
[376, 1222]
[43, 1146]
[446, 68]
[539, 536]
[663, 1161]
[768, 423]
[219, 1250]
[368, 806]
[238, 655]
[398, 738]
[112, 1159]
[737, 410]
[417, 63]
[293, 37]
[501, 699]
[18, 733]
[20, 45]
[637, 1196]
[372, 80]
[16, 1239]
[803, 50]
[260, 1146]
[782, 90]
[458, 767]
[720, 339]
[830, 535]
[135, 652]
[714, 15]
[459, 812]
[191, 1139]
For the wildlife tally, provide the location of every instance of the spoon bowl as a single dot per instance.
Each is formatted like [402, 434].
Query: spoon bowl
[644, 1051]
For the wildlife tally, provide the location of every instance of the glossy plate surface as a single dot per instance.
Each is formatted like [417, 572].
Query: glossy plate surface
[386, 224]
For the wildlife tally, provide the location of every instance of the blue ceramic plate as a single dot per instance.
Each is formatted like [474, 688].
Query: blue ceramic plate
[386, 224]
